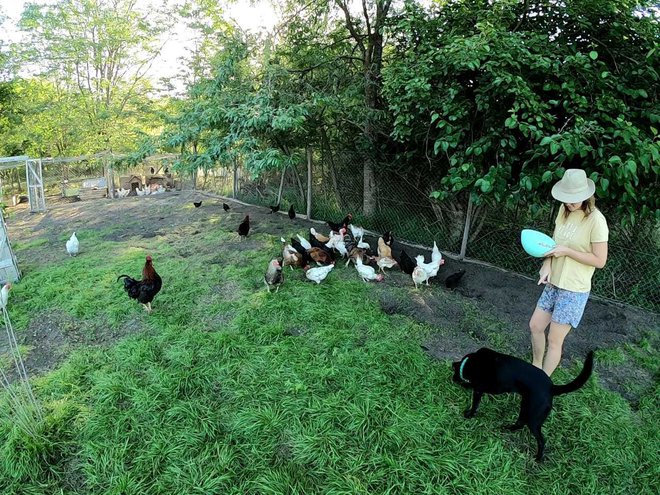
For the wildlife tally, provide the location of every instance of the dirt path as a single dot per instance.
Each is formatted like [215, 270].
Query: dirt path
[489, 308]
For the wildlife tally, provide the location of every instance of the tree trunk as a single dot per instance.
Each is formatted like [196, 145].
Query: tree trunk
[373, 58]
[18, 177]
[370, 44]
[369, 190]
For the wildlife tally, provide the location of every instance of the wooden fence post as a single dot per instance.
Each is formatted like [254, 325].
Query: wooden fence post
[110, 178]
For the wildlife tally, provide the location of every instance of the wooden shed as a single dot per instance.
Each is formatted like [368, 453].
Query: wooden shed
[131, 182]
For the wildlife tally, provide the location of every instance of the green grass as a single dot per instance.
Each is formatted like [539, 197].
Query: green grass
[211, 394]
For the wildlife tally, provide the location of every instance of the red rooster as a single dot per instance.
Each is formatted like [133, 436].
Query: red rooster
[146, 289]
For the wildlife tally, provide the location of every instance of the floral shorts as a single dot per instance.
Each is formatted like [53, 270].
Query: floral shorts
[565, 306]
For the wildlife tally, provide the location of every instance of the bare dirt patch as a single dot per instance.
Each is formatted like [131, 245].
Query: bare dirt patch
[51, 336]
[489, 308]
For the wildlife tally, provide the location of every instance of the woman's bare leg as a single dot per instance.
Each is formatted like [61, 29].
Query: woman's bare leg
[556, 336]
[537, 325]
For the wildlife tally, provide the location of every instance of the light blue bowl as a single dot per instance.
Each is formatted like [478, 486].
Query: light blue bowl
[536, 243]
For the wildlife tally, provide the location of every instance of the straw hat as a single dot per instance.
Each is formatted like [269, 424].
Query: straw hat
[574, 187]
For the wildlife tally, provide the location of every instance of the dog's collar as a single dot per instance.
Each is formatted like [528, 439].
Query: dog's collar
[460, 371]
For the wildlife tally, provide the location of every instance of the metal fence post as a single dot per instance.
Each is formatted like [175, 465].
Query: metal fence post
[466, 229]
[279, 191]
[234, 191]
[309, 182]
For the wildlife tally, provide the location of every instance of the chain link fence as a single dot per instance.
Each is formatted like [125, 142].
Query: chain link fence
[89, 177]
[403, 205]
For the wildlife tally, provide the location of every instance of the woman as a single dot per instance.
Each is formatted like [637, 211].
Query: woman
[581, 234]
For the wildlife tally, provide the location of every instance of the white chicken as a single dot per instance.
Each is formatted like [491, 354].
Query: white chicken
[358, 232]
[319, 273]
[72, 245]
[431, 268]
[367, 272]
[4, 295]
[363, 244]
[304, 242]
[436, 256]
[419, 276]
[336, 241]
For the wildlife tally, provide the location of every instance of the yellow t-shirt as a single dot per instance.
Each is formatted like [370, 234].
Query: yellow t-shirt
[576, 232]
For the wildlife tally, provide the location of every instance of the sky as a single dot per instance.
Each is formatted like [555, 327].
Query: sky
[250, 15]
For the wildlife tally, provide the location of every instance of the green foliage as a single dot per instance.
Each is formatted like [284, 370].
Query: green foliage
[91, 57]
[507, 100]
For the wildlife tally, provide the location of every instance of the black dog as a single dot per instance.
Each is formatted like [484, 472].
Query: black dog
[490, 372]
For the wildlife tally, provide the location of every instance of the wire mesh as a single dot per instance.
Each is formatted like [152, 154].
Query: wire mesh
[14, 379]
[403, 205]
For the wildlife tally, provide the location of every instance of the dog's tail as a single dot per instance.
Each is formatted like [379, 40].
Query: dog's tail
[580, 380]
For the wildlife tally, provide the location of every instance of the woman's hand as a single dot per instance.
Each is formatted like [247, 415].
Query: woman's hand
[544, 272]
[558, 251]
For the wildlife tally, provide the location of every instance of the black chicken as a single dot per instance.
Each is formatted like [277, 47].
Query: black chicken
[406, 263]
[336, 227]
[244, 227]
[318, 244]
[388, 238]
[274, 209]
[452, 281]
[197, 204]
[292, 213]
[146, 289]
[306, 258]
[225, 207]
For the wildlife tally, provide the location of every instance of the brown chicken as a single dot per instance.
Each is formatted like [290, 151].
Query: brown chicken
[384, 251]
[355, 254]
[319, 237]
[385, 262]
[320, 256]
[290, 257]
